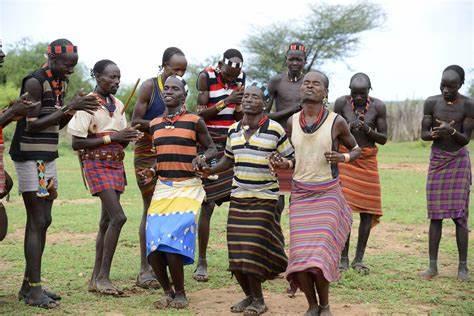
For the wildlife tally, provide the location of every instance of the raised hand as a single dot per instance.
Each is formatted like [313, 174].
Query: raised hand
[83, 102]
[444, 129]
[236, 96]
[145, 176]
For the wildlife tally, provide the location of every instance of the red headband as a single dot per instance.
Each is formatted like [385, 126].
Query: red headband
[60, 49]
[297, 47]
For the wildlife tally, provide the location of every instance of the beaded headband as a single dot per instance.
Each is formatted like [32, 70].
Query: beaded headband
[61, 49]
[299, 47]
[232, 64]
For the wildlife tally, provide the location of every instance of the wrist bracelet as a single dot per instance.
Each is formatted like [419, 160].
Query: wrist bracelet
[65, 109]
[290, 164]
[154, 172]
[220, 105]
[454, 132]
[203, 157]
[106, 139]
[347, 157]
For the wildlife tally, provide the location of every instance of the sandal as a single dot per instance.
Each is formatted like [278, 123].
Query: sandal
[22, 295]
[45, 302]
[148, 283]
[179, 302]
[164, 301]
[257, 307]
[242, 305]
[113, 291]
[360, 268]
[324, 310]
[200, 274]
[312, 311]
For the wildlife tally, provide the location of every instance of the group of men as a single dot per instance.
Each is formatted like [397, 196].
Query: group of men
[236, 148]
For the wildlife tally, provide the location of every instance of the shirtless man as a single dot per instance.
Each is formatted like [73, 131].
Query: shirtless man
[448, 121]
[367, 119]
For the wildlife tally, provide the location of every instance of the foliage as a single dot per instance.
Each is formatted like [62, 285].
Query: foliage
[330, 32]
[25, 56]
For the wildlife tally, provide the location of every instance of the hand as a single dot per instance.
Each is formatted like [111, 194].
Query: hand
[82, 102]
[444, 129]
[20, 106]
[126, 135]
[235, 97]
[334, 157]
[275, 161]
[145, 176]
[356, 125]
[199, 163]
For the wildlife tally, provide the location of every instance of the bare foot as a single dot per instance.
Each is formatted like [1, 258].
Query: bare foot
[428, 274]
[344, 264]
[200, 274]
[105, 287]
[242, 305]
[313, 311]
[324, 311]
[463, 273]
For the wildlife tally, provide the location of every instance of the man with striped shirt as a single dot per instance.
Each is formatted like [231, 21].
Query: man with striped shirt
[219, 98]
[254, 237]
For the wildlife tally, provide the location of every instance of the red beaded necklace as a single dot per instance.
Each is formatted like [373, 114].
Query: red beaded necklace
[260, 123]
[303, 123]
[366, 108]
[173, 118]
[56, 85]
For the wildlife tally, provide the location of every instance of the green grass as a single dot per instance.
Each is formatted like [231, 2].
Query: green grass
[393, 285]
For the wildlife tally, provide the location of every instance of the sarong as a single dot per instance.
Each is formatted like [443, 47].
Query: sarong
[171, 224]
[285, 178]
[254, 238]
[104, 174]
[144, 158]
[360, 183]
[219, 190]
[320, 222]
[448, 184]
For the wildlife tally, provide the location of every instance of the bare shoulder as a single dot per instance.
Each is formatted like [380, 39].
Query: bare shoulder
[468, 105]
[378, 104]
[340, 103]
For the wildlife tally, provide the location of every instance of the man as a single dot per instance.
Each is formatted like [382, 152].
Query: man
[254, 237]
[100, 139]
[34, 150]
[320, 219]
[367, 119]
[448, 121]
[150, 105]
[284, 90]
[170, 227]
[14, 111]
[220, 94]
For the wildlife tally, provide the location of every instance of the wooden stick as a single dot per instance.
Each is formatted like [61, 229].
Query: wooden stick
[130, 96]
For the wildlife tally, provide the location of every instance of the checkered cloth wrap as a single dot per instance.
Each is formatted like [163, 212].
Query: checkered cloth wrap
[103, 174]
[448, 184]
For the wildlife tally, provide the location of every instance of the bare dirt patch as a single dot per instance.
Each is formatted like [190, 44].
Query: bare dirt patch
[404, 166]
[70, 238]
[218, 302]
[76, 201]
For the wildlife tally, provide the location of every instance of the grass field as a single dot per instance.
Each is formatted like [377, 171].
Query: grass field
[397, 250]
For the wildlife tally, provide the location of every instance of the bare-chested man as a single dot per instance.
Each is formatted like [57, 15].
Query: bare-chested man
[367, 118]
[284, 90]
[448, 121]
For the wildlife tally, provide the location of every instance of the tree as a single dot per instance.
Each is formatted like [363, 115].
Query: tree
[24, 57]
[329, 32]
[191, 76]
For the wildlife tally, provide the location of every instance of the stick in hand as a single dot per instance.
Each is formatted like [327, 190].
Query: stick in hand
[130, 96]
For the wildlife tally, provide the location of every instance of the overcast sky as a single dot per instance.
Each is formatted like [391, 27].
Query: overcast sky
[404, 59]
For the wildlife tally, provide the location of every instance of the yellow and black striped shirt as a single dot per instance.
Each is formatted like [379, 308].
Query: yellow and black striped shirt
[252, 176]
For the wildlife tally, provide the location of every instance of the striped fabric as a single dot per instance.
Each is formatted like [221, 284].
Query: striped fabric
[254, 238]
[102, 175]
[361, 183]
[42, 145]
[448, 184]
[320, 222]
[252, 177]
[171, 225]
[144, 158]
[218, 91]
[175, 147]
